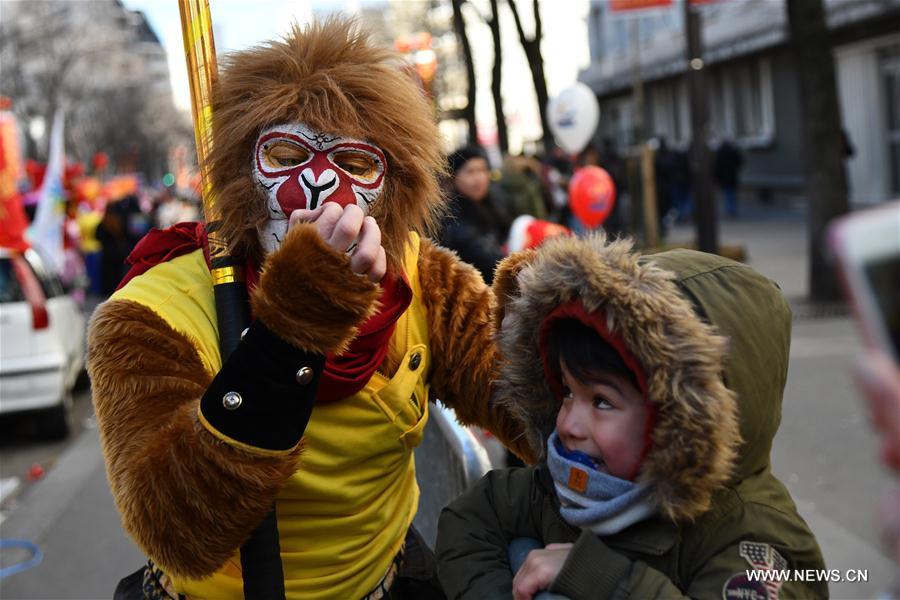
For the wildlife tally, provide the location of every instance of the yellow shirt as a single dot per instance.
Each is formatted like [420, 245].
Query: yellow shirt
[344, 515]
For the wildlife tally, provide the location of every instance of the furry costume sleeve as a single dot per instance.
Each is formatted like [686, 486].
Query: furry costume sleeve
[460, 315]
[191, 483]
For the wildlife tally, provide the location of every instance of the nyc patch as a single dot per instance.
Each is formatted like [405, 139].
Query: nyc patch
[739, 587]
[764, 560]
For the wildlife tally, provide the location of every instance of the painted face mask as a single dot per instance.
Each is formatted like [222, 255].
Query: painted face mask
[299, 167]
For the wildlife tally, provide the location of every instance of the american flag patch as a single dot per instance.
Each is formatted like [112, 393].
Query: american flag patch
[763, 557]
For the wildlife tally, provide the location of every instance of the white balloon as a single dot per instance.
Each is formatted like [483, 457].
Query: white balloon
[574, 115]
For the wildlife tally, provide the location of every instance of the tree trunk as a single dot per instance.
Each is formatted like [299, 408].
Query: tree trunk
[704, 198]
[826, 181]
[496, 80]
[459, 25]
[532, 49]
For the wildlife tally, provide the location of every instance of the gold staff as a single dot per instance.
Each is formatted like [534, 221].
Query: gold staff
[260, 555]
[200, 54]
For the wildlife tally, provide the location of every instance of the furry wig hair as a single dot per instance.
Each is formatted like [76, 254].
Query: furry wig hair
[332, 77]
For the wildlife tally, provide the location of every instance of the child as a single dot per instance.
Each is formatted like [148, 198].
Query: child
[651, 387]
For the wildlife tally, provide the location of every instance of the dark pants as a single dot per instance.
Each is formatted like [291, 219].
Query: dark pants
[729, 195]
[416, 579]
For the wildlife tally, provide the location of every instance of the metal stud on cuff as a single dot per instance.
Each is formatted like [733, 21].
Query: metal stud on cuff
[304, 375]
[244, 332]
[231, 400]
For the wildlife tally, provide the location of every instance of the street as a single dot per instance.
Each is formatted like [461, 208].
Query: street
[20, 449]
[825, 453]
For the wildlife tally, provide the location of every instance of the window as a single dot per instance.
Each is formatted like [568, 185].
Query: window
[741, 102]
[50, 283]
[670, 113]
[10, 290]
[889, 59]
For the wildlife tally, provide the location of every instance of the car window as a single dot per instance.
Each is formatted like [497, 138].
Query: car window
[10, 290]
[50, 283]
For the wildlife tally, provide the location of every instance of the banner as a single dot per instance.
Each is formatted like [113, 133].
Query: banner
[12, 215]
[624, 5]
[46, 231]
[11, 167]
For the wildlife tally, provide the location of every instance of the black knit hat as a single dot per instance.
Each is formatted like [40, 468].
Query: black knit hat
[463, 155]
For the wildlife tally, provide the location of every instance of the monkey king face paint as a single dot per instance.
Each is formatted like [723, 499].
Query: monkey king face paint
[298, 167]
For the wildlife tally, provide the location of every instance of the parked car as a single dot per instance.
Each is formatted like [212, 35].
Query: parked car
[42, 344]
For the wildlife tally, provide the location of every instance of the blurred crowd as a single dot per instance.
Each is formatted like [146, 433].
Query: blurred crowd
[104, 218]
[494, 211]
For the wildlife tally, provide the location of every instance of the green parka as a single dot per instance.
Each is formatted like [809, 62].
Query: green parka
[713, 337]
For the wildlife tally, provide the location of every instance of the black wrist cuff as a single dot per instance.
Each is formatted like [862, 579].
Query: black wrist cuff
[264, 394]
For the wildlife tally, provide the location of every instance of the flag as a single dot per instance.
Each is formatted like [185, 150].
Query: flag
[11, 167]
[46, 231]
[12, 215]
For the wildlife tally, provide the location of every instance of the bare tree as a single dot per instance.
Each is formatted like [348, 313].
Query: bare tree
[493, 22]
[826, 182]
[459, 25]
[532, 49]
[110, 102]
[497, 79]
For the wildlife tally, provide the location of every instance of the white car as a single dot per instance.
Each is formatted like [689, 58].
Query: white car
[42, 344]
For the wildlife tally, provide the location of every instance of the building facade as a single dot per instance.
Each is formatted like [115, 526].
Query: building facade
[104, 66]
[754, 95]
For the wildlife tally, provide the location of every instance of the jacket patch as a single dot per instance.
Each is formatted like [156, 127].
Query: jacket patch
[764, 560]
[739, 587]
[578, 479]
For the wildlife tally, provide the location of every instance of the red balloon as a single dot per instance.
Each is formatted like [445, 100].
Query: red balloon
[592, 195]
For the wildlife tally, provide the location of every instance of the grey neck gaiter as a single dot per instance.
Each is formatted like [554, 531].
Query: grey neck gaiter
[602, 503]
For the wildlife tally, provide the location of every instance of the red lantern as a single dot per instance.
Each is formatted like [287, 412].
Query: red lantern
[592, 195]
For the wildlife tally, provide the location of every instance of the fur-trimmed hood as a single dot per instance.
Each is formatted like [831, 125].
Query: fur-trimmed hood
[696, 322]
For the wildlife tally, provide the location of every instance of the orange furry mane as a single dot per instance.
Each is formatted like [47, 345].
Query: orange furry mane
[332, 77]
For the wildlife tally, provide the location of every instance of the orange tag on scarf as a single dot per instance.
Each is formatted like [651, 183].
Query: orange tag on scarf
[578, 479]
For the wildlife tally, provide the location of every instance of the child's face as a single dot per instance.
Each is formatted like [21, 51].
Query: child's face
[605, 419]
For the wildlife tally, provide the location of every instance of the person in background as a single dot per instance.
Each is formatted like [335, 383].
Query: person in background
[615, 166]
[665, 164]
[115, 245]
[88, 220]
[726, 169]
[682, 200]
[558, 170]
[520, 187]
[476, 226]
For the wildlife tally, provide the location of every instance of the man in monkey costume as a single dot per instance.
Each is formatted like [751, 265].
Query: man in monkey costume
[325, 165]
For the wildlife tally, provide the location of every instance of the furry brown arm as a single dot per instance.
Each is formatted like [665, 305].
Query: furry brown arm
[460, 309]
[188, 499]
[309, 296]
[505, 285]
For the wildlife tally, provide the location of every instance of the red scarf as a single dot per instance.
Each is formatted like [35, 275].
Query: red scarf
[345, 374]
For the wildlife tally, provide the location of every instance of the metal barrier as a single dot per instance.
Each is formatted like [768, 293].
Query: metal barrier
[449, 461]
